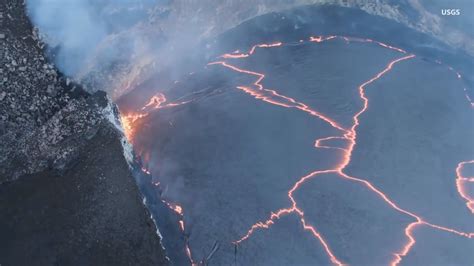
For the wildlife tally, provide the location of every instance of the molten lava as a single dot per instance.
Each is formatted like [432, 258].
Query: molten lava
[348, 137]
[460, 184]
[129, 121]
[129, 126]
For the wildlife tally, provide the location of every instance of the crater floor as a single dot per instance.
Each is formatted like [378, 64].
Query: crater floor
[325, 150]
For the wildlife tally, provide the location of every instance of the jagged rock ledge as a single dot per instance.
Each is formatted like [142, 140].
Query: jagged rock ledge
[67, 194]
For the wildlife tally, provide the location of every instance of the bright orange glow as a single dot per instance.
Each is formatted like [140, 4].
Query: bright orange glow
[460, 181]
[406, 248]
[236, 53]
[350, 135]
[155, 101]
[129, 121]
[319, 143]
[180, 213]
[321, 38]
[128, 124]
[323, 242]
[274, 97]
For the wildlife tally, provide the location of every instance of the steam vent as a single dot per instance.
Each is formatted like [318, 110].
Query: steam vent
[249, 132]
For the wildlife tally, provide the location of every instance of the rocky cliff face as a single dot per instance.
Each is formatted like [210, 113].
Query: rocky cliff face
[45, 119]
[67, 195]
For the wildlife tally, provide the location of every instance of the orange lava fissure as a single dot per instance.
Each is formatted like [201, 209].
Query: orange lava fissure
[259, 92]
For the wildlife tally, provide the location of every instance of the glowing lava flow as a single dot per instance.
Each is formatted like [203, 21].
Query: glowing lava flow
[460, 180]
[280, 100]
[178, 210]
[236, 54]
[349, 135]
[156, 102]
[129, 126]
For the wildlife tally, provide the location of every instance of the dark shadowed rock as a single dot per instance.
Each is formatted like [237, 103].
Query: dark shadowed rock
[67, 195]
[92, 214]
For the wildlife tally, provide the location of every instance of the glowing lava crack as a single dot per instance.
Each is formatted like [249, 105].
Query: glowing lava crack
[349, 135]
[273, 97]
[460, 181]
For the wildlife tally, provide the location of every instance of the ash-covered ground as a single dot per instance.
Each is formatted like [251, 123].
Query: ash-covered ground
[242, 165]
